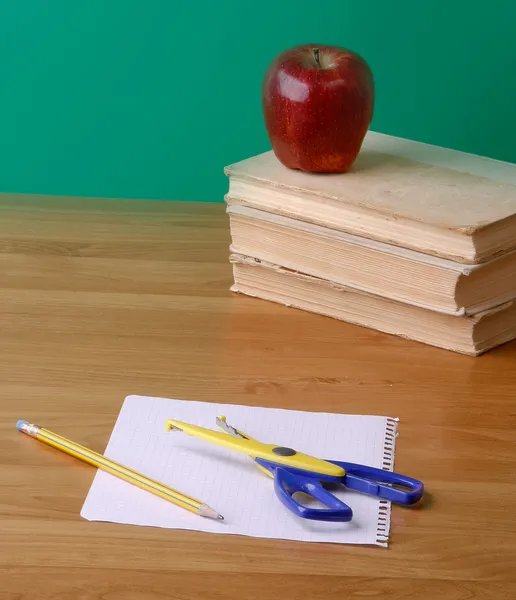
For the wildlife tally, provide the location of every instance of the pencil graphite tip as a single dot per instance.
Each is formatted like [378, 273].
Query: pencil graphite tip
[207, 511]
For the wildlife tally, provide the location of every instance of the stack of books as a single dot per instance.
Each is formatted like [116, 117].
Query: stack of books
[415, 240]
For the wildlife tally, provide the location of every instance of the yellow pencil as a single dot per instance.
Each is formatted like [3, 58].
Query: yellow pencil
[118, 470]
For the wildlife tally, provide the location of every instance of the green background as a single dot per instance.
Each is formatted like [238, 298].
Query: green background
[151, 98]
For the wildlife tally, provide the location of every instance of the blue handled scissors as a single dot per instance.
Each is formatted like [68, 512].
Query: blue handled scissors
[293, 472]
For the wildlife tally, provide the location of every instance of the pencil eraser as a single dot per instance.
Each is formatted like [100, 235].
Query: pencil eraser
[20, 423]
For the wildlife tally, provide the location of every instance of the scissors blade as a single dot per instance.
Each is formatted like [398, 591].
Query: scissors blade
[229, 429]
[238, 441]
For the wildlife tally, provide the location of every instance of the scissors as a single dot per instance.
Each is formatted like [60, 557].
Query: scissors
[294, 472]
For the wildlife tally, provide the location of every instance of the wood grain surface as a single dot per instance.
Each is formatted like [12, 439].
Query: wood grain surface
[102, 299]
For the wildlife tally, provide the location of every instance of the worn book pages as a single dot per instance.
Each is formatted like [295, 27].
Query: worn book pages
[472, 335]
[371, 266]
[430, 199]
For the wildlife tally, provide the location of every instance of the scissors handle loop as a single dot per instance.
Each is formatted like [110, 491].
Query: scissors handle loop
[287, 484]
[378, 482]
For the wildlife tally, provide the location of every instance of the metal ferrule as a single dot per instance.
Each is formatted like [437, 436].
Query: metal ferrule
[30, 429]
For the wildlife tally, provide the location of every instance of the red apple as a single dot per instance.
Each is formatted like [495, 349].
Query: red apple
[317, 104]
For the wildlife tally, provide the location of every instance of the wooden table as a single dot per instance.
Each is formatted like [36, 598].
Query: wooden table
[102, 299]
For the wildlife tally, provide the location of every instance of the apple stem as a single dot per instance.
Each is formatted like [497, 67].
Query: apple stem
[316, 56]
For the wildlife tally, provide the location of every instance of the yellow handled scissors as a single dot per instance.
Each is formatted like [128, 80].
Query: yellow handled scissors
[294, 471]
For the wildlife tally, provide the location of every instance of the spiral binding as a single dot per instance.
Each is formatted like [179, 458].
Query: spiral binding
[384, 508]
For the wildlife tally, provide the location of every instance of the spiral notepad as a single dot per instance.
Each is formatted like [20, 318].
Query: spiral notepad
[230, 482]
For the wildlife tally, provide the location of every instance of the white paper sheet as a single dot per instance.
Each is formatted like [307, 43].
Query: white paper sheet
[229, 481]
